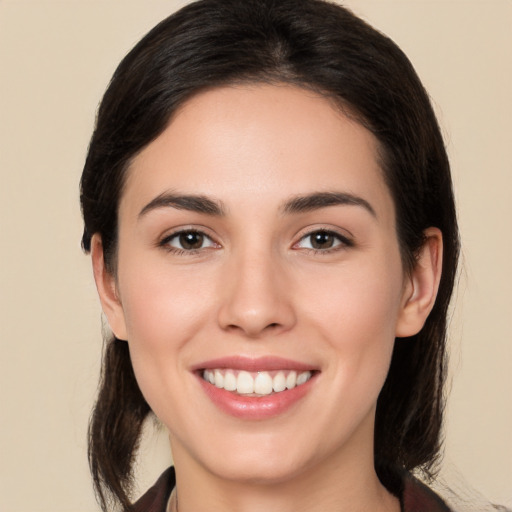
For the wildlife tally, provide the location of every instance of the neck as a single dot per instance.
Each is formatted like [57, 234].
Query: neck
[327, 486]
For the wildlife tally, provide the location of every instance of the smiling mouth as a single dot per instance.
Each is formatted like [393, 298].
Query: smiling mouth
[257, 384]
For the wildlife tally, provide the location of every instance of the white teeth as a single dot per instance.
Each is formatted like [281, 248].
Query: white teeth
[279, 382]
[263, 384]
[244, 383]
[291, 380]
[230, 381]
[259, 383]
[302, 378]
[219, 379]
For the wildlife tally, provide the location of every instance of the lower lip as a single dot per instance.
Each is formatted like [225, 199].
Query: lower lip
[255, 407]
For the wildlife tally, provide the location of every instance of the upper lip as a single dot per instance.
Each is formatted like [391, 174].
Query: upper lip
[254, 364]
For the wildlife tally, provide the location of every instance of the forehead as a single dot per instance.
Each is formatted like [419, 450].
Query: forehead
[258, 142]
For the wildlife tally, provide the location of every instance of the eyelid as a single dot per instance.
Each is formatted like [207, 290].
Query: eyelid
[345, 239]
[163, 240]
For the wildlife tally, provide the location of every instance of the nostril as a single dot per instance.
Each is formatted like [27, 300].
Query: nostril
[269, 327]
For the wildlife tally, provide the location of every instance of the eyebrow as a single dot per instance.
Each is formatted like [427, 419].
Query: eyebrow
[298, 204]
[317, 200]
[193, 203]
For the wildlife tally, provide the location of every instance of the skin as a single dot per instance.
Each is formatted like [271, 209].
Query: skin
[257, 288]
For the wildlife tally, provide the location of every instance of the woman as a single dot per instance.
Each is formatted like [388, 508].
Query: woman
[268, 205]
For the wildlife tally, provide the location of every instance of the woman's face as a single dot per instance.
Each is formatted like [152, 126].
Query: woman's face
[257, 249]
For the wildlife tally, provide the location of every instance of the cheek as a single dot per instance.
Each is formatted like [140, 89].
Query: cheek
[356, 316]
[161, 305]
[164, 309]
[359, 302]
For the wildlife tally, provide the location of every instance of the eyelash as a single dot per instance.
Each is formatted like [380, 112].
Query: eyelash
[164, 243]
[343, 242]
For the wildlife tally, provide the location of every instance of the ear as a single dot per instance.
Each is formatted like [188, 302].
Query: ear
[420, 290]
[107, 290]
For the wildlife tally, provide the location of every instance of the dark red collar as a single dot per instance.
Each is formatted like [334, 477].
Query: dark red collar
[417, 497]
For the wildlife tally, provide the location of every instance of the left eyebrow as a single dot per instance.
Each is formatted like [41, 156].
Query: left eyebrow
[193, 203]
[317, 200]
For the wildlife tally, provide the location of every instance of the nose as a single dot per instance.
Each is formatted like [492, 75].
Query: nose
[256, 296]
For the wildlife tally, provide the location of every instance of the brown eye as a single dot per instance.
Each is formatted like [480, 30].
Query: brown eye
[322, 240]
[191, 240]
[187, 241]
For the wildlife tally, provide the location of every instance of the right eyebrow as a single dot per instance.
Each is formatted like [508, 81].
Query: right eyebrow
[193, 203]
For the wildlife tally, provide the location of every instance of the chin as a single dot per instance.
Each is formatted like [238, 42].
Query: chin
[258, 461]
[259, 472]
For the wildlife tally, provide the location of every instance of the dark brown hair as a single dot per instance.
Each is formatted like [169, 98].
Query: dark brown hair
[316, 45]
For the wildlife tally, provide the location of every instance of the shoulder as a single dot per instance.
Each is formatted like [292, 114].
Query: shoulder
[155, 499]
[417, 497]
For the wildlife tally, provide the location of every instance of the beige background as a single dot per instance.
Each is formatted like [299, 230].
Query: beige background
[56, 58]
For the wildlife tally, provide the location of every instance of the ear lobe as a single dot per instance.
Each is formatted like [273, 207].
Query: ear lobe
[107, 290]
[421, 290]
